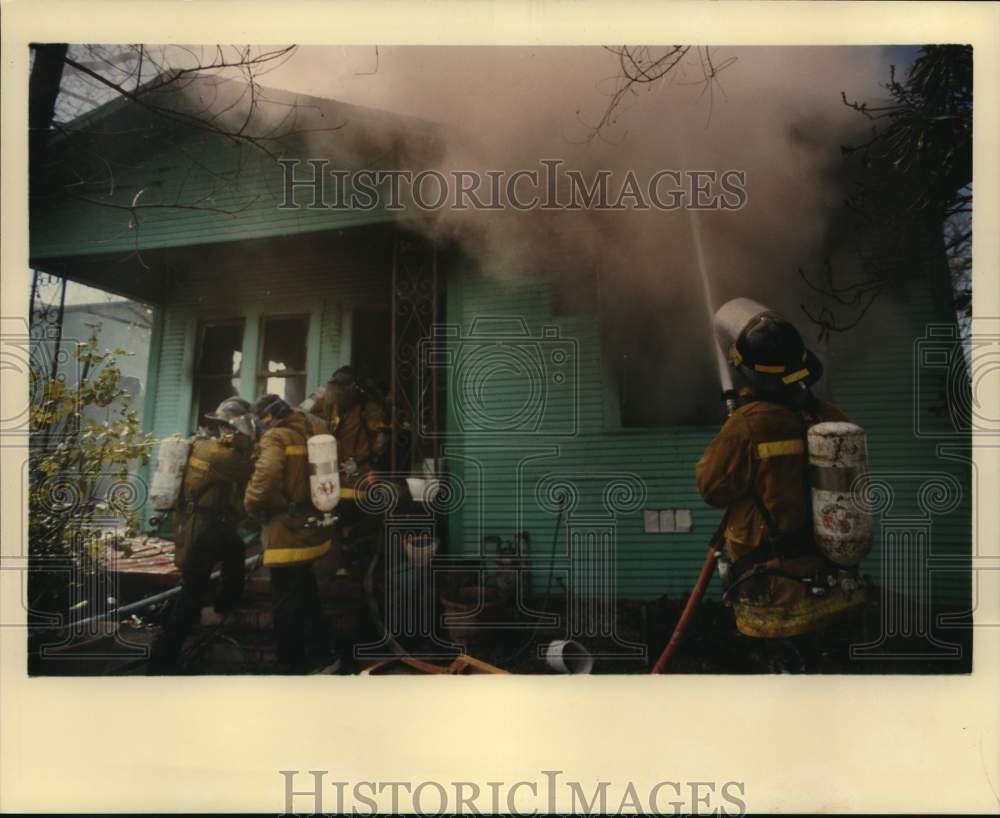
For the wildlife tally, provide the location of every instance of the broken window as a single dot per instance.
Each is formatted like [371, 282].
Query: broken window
[281, 368]
[217, 365]
[660, 358]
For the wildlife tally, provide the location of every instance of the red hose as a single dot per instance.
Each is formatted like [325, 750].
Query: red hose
[696, 594]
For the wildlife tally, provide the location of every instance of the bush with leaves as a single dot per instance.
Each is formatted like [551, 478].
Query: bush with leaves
[85, 439]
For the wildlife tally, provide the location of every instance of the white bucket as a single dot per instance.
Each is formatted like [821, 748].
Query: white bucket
[568, 656]
[423, 490]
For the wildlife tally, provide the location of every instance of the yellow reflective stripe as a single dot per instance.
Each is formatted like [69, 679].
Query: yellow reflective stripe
[296, 450]
[734, 354]
[773, 370]
[776, 448]
[198, 463]
[348, 494]
[795, 376]
[285, 556]
[809, 614]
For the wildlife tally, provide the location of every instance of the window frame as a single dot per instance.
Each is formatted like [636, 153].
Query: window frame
[261, 377]
[198, 379]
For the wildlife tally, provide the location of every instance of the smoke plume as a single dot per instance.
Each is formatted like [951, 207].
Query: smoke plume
[775, 114]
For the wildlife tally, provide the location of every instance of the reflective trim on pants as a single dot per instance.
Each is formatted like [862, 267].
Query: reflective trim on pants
[292, 556]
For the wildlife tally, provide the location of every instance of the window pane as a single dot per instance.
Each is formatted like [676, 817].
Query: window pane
[284, 345]
[217, 365]
[291, 388]
[221, 349]
[213, 392]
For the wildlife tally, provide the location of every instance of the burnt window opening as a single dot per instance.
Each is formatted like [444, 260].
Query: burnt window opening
[281, 367]
[660, 360]
[371, 346]
[217, 364]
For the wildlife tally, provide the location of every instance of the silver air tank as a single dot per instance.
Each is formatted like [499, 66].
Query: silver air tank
[171, 461]
[324, 472]
[838, 460]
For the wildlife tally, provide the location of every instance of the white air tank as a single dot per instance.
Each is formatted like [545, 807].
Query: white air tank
[324, 472]
[171, 461]
[838, 456]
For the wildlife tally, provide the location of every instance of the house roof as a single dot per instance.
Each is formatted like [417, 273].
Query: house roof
[163, 170]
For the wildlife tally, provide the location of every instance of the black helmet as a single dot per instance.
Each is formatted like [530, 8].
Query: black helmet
[343, 389]
[233, 412]
[771, 352]
[344, 377]
[273, 405]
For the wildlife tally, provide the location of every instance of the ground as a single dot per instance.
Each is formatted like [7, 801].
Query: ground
[242, 642]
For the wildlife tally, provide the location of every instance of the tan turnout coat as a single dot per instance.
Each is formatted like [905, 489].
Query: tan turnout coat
[278, 493]
[211, 494]
[762, 448]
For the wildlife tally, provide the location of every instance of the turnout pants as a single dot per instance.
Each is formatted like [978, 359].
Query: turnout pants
[215, 543]
[299, 624]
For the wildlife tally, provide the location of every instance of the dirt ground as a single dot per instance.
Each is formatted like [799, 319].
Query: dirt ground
[243, 642]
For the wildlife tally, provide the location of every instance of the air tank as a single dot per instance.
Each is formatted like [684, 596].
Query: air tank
[324, 472]
[171, 461]
[838, 457]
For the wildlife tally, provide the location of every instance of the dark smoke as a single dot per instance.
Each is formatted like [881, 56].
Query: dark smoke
[775, 114]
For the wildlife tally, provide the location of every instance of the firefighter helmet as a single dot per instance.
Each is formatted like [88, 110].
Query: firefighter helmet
[771, 350]
[765, 346]
[343, 389]
[770, 346]
[234, 412]
[270, 405]
[344, 377]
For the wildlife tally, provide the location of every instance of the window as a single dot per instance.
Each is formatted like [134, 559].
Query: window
[281, 368]
[660, 358]
[217, 365]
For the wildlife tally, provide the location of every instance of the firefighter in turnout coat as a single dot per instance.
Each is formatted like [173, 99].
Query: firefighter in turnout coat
[358, 420]
[356, 416]
[205, 526]
[756, 468]
[293, 532]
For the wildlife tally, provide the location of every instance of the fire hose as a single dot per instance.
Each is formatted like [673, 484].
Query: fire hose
[704, 576]
[700, 586]
[729, 399]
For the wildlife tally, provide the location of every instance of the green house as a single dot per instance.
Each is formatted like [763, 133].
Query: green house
[506, 389]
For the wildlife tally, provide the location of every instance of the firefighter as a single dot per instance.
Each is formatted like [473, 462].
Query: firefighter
[294, 534]
[780, 586]
[357, 418]
[205, 525]
[356, 415]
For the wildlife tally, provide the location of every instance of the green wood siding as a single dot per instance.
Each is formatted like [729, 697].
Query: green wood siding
[871, 378]
[225, 193]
